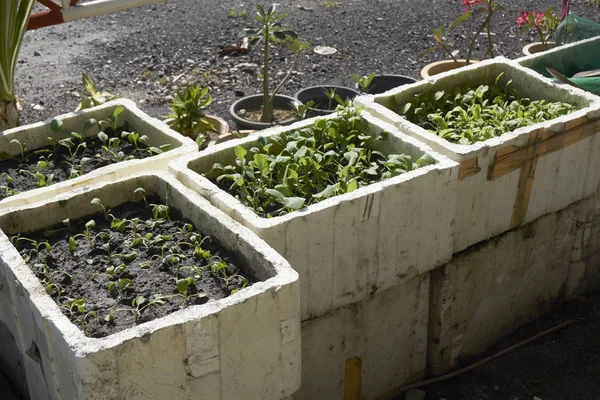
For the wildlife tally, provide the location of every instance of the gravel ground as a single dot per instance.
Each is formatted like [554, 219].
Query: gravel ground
[147, 53]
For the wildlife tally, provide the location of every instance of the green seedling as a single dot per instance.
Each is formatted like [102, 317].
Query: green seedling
[185, 286]
[134, 138]
[142, 193]
[113, 119]
[160, 211]
[106, 211]
[21, 149]
[87, 234]
[74, 306]
[35, 250]
[41, 180]
[121, 286]
[303, 111]
[364, 82]
[138, 304]
[8, 189]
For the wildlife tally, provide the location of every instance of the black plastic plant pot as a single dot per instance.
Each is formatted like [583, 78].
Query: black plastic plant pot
[323, 105]
[383, 83]
[254, 103]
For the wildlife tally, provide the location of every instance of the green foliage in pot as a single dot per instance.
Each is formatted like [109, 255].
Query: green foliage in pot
[466, 114]
[187, 113]
[305, 166]
[271, 31]
[14, 17]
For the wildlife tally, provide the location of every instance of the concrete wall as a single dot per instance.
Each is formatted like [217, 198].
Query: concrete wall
[387, 331]
[35, 136]
[244, 346]
[490, 289]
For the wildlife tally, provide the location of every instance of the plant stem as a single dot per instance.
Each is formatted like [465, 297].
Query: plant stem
[540, 34]
[479, 30]
[287, 76]
[488, 21]
[267, 110]
[9, 114]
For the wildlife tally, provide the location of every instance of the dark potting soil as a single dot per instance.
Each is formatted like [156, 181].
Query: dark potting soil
[58, 163]
[157, 260]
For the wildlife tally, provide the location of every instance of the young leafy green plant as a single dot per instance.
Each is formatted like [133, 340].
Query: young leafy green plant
[187, 113]
[92, 97]
[467, 114]
[364, 82]
[302, 167]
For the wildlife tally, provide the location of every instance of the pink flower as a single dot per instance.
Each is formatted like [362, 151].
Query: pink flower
[469, 3]
[539, 18]
[522, 19]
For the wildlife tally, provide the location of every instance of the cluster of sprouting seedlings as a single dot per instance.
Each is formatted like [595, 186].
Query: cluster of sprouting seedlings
[127, 244]
[71, 153]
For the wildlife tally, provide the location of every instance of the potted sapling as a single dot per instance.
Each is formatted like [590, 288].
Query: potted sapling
[186, 116]
[483, 7]
[269, 108]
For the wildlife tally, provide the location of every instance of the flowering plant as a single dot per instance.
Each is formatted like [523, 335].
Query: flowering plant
[486, 8]
[542, 23]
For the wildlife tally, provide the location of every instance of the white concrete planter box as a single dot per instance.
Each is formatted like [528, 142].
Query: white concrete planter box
[492, 171]
[245, 346]
[352, 245]
[34, 136]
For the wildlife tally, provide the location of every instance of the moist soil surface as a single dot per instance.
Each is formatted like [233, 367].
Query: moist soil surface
[146, 53]
[111, 269]
[60, 166]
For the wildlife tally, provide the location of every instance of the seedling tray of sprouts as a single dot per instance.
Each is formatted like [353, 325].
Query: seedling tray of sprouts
[72, 156]
[72, 151]
[127, 265]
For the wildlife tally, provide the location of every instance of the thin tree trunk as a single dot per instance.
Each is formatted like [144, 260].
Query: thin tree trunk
[9, 114]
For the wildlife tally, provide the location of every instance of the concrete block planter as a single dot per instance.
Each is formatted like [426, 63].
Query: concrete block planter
[34, 136]
[351, 245]
[246, 345]
[489, 290]
[521, 175]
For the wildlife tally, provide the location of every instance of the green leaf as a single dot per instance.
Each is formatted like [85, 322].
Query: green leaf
[182, 285]
[294, 203]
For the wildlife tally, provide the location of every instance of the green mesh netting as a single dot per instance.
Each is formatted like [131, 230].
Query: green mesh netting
[575, 28]
[576, 58]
